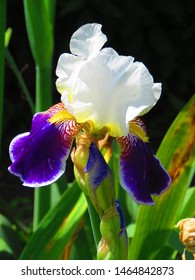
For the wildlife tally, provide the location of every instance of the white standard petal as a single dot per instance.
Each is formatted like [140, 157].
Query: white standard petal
[157, 88]
[111, 90]
[144, 92]
[101, 86]
[96, 91]
[67, 63]
[87, 40]
[67, 66]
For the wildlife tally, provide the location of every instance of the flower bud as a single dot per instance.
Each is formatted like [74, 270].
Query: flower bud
[114, 242]
[108, 248]
[99, 180]
[187, 233]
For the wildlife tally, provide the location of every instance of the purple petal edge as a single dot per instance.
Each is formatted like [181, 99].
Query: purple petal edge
[122, 220]
[39, 157]
[141, 173]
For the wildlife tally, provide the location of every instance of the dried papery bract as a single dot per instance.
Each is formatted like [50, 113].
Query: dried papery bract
[187, 235]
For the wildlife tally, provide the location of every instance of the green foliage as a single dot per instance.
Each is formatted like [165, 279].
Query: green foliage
[39, 23]
[188, 209]
[39, 16]
[10, 245]
[8, 34]
[2, 57]
[177, 154]
[57, 228]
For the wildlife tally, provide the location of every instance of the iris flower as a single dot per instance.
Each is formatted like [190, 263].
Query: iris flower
[102, 94]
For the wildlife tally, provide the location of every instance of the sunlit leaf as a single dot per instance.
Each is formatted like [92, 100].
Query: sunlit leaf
[57, 227]
[83, 248]
[188, 207]
[177, 154]
[8, 34]
[39, 24]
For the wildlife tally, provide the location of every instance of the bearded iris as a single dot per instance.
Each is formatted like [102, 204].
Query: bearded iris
[103, 95]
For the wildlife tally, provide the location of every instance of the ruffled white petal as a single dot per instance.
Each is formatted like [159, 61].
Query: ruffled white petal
[157, 87]
[87, 40]
[68, 66]
[67, 63]
[103, 87]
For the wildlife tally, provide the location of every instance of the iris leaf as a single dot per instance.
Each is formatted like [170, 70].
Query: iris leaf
[2, 59]
[154, 224]
[188, 208]
[10, 246]
[57, 228]
[39, 24]
[8, 34]
[83, 248]
[39, 18]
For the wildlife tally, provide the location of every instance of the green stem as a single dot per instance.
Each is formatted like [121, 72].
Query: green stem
[41, 204]
[39, 17]
[42, 196]
[2, 57]
[43, 88]
[95, 222]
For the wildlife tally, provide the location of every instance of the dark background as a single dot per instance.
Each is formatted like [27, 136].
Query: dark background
[159, 33]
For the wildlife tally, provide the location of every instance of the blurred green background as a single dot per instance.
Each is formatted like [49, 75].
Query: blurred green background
[159, 33]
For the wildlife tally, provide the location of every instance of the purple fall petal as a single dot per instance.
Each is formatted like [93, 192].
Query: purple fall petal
[96, 167]
[141, 173]
[39, 157]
